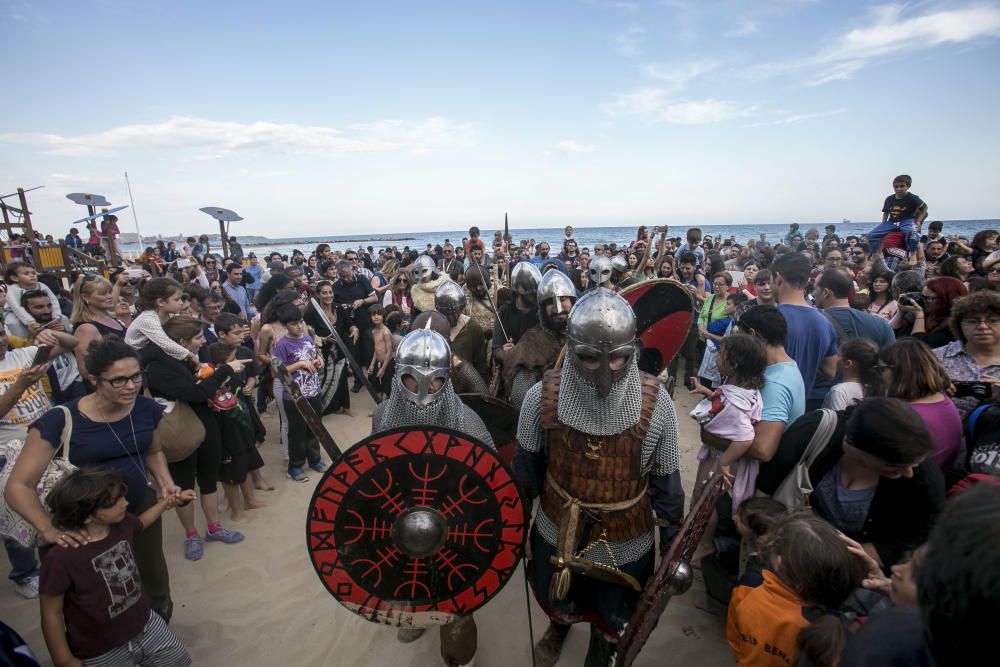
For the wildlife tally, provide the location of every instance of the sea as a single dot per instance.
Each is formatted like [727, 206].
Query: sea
[586, 237]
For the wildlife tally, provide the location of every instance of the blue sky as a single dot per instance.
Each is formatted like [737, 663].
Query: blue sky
[339, 118]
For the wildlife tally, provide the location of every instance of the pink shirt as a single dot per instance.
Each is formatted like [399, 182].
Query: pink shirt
[945, 425]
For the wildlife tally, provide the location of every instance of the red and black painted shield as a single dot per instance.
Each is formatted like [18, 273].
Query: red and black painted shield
[673, 575]
[416, 526]
[663, 314]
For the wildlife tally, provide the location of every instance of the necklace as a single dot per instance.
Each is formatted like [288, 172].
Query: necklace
[135, 460]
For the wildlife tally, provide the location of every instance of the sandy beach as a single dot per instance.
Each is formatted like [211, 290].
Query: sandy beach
[259, 603]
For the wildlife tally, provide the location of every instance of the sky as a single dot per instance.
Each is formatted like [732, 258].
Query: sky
[343, 118]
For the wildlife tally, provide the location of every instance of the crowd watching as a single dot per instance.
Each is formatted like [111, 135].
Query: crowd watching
[874, 360]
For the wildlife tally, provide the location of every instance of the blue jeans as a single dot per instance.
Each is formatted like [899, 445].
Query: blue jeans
[908, 227]
[22, 561]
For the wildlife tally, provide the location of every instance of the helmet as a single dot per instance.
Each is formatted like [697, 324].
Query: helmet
[423, 268]
[449, 300]
[425, 356]
[524, 280]
[601, 334]
[600, 270]
[554, 286]
[619, 265]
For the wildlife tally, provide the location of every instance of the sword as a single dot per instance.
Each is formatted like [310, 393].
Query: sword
[313, 420]
[361, 375]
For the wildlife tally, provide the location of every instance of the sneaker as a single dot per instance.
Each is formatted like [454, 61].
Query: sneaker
[27, 588]
[225, 536]
[193, 548]
[319, 466]
[296, 475]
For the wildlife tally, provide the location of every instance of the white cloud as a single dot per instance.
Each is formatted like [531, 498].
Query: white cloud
[743, 28]
[571, 147]
[628, 41]
[790, 119]
[678, 74]
[219, 138]
[889, 29]
[654, 104]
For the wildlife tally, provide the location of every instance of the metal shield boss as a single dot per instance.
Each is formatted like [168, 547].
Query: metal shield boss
[416, 526]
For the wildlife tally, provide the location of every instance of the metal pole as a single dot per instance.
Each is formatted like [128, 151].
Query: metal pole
[134, 216]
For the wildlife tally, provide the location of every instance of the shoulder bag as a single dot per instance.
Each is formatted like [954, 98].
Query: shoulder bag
[795, 489]
[180, 430]
[12, 524]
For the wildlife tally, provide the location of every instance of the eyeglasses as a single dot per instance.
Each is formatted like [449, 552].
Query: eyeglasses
[991, 322]
[995, 269]
[121, 381]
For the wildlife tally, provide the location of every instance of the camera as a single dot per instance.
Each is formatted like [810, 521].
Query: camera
[913, 299]
[977, 390]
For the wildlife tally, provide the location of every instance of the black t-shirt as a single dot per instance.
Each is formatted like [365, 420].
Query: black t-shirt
[982, 438]
[904, 208]
[349, 292]
[894, 637]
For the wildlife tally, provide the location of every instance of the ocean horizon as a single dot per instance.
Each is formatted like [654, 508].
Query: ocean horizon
[585, 236]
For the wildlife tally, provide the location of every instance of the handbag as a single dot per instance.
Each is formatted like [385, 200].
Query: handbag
[180, 430]
[12, 524]
[795, 489]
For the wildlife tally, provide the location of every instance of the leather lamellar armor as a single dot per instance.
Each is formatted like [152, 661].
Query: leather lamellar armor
[597, 470]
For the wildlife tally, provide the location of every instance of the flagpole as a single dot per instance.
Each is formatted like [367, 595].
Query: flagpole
[134, 217]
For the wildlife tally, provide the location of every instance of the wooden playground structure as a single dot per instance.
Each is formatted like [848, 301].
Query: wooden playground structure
[58, 259]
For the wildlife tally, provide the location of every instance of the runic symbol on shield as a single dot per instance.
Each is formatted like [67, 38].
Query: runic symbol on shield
[416, 526]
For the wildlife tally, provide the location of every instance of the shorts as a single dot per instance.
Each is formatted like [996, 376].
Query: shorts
[155, 646]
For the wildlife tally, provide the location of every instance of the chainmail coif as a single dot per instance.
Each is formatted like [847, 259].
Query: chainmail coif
[448, 411]
[581, 408]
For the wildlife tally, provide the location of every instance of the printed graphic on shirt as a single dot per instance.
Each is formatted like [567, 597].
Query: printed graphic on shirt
[121, 576]
[32, 404]
[308, 382]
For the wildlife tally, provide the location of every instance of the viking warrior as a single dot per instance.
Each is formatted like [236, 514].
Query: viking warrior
[598, 443]
[422, 393]
[538, 349]
[600, 272]
[465, 336]
[619, 267]
[426, 280]
[518, 314]
[480, 298]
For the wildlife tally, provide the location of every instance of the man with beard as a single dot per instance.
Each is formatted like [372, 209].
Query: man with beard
[598, 442]
[538, 349]
[516, 316]
[542, 259]
[479, 299]
[601, 272]
[353, 292]
[465, 337]
[422, 394]
[426, 280]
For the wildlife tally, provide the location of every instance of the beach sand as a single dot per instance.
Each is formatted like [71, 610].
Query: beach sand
[259, 603]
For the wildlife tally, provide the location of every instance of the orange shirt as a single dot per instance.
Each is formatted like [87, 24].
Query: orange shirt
[764, 621]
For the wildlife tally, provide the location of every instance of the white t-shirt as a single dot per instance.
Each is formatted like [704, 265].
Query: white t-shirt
[33, 402]
[844, 395]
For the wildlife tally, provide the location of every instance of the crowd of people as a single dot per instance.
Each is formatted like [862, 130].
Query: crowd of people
[866, 368]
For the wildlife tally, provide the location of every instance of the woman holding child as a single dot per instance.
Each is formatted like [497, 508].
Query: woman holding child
[115, 426]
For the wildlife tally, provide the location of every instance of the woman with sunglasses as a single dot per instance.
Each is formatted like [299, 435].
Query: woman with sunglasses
[932, 318]
[115, 426]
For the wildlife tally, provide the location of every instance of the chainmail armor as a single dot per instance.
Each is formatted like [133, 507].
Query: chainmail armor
[582, 409]
[660, 449]
[448, 411]
[523, 381]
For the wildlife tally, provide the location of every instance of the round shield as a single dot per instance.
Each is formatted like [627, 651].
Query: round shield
[663, 315]
[416, 526]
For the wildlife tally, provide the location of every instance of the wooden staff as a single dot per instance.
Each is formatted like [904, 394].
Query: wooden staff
[312, 420]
